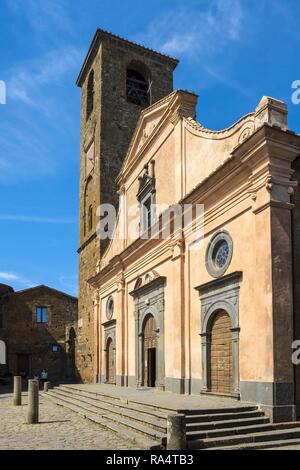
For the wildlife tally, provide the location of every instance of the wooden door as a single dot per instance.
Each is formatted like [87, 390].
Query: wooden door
[150, 341]
[221, 354]
[110, 362]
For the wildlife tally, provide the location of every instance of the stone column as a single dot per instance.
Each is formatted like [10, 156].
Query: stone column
[235, 359]
[33, 402]
[205, 348]
[140, 360]
[17, 400]
[176, 432]
[46, 386]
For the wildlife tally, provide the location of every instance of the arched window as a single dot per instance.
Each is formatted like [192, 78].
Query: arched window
[90, 95]
[137, 88]
[90, 218]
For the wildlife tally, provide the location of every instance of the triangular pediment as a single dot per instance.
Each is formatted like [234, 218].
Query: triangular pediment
[151, 120]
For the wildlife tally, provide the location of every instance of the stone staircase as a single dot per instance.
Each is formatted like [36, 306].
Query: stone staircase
[233, 428]
[238, 429]
[142, 423]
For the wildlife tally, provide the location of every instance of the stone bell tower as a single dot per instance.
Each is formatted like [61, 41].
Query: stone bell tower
[118, 79]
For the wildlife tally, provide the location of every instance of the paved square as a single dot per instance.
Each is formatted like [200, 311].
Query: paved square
[59, 429]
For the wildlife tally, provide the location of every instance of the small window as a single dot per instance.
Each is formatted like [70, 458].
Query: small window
[1, 320]
[146, 214]
[146, 198]
[137, 88]
[41, 314]
[90, 95]
[55, 348]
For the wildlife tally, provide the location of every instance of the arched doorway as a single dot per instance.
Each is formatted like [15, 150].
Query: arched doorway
[221, 375]
[149, 352]
[110, 362]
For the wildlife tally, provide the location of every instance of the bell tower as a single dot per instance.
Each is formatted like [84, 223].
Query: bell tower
[118, 79]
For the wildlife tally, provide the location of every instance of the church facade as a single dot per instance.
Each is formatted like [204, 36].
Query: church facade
[196, 289]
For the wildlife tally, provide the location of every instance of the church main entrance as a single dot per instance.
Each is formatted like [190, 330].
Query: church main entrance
[149, 349]
[221, 354]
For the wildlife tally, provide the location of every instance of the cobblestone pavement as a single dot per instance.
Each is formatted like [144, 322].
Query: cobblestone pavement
[59, 429]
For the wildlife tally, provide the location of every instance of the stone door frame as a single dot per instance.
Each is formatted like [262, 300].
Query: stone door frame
[146, 319]
[149, 299]
[109, 334]
[220, 294]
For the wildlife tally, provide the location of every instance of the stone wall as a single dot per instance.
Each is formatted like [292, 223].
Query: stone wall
[24, 336]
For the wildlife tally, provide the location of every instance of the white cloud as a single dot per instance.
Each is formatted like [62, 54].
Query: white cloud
[12, 277]
[196, 33]
[36, 219]
[44, 16]
[36, 90]
[27, 81]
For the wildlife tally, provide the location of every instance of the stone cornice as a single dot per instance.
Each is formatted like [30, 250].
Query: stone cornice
[108, 323]
[220, 283]
[150, 286]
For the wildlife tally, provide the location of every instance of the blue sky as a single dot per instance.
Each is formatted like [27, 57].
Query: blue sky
[232, 52]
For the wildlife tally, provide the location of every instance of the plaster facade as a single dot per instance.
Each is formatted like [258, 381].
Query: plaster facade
[244, 178]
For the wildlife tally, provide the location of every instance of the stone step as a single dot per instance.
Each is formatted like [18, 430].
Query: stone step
[89, 411]
[242, 439]
[122, 406]
[223, 416]
[138, 406]
[215, 411]
[118, 410]
[117, 402]
[259, 445]
[243, 430]
[194, 429]
[119, 429]
[159, 408]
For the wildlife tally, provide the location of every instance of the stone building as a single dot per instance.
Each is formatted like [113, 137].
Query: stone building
[38, 326]
[211, 305]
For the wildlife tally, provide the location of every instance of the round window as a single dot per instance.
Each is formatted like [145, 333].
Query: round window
[219, 253]
[109, 308]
